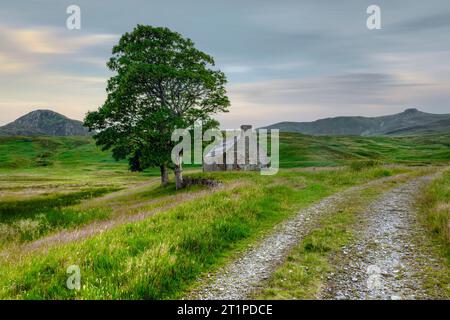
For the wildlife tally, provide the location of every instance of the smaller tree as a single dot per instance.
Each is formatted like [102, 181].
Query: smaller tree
[162, 83]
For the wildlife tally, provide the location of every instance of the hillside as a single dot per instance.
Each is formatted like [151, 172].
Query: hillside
[44, 151]
[408, 122]
[296, 150]
[44, 123]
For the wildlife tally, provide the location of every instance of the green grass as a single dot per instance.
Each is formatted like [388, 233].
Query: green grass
[50, 184]
[18, 209]
[20, 152]
[25, 220]
[434, 205]
[162, 256]
[299, 150]
[434, 214]
[70, 159]
[42, 179]
[296, 150]
[30, 218]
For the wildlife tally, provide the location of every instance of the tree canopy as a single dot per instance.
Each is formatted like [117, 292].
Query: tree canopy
[161, 83]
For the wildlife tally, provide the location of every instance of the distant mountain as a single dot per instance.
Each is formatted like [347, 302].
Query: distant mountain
[408, 122]
[44, 123]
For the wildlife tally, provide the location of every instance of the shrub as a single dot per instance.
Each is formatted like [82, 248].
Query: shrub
[363, 164]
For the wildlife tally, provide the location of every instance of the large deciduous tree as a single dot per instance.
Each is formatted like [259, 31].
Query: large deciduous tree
[161, 83]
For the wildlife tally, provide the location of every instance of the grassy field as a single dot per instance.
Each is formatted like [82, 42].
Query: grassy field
[49, 185]
[434, 205]
[43, 178]
[298, 150]
[160, 257]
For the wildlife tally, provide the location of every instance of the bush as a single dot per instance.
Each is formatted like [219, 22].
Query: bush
[364, 164]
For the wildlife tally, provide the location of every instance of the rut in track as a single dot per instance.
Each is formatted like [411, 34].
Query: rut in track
[244, 275]
[387, 260]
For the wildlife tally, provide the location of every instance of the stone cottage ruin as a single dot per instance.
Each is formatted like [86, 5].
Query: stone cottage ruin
[241, 151]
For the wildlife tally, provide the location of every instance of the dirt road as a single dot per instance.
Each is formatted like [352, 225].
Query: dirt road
[385, 262]
[389, 258]
[244, 275]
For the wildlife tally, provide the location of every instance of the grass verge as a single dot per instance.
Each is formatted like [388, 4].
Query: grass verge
[434, 204]
[434, 209]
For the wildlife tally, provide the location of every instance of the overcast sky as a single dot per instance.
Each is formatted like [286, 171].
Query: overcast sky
[285, 60]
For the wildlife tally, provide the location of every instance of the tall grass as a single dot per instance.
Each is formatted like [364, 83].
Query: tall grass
[434, 204]
[25, 220]
[363, 164]
[162, 256]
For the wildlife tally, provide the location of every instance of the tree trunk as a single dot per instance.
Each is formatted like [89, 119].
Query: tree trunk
[164, 175]
[178, 170]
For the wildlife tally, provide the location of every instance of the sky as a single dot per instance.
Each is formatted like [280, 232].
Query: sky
[297, 60]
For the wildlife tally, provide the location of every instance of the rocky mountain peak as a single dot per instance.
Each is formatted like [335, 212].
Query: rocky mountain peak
[44, 122]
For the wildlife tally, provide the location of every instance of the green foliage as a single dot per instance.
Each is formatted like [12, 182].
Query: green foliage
[434, 208]
[162, 82]
[13, 210]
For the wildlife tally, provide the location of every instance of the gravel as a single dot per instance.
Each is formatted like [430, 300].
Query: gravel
[386, 261]
[244, 275]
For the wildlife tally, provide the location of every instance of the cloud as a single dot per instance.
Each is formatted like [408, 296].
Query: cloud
[45, 40]
[235, 69]
[10, 65]
[426, 23]
[373, 94]
[70, 95]
[35, 41]
[290, 60]
[343, 89]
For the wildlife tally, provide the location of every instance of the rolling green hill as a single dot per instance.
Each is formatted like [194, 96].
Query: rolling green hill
[29, 152]
[296, 150]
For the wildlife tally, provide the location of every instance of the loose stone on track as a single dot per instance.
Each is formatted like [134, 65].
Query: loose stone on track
[385, 262]
[244, 275]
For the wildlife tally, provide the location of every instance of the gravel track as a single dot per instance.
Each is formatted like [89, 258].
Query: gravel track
[388, 258]
[246, 274]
